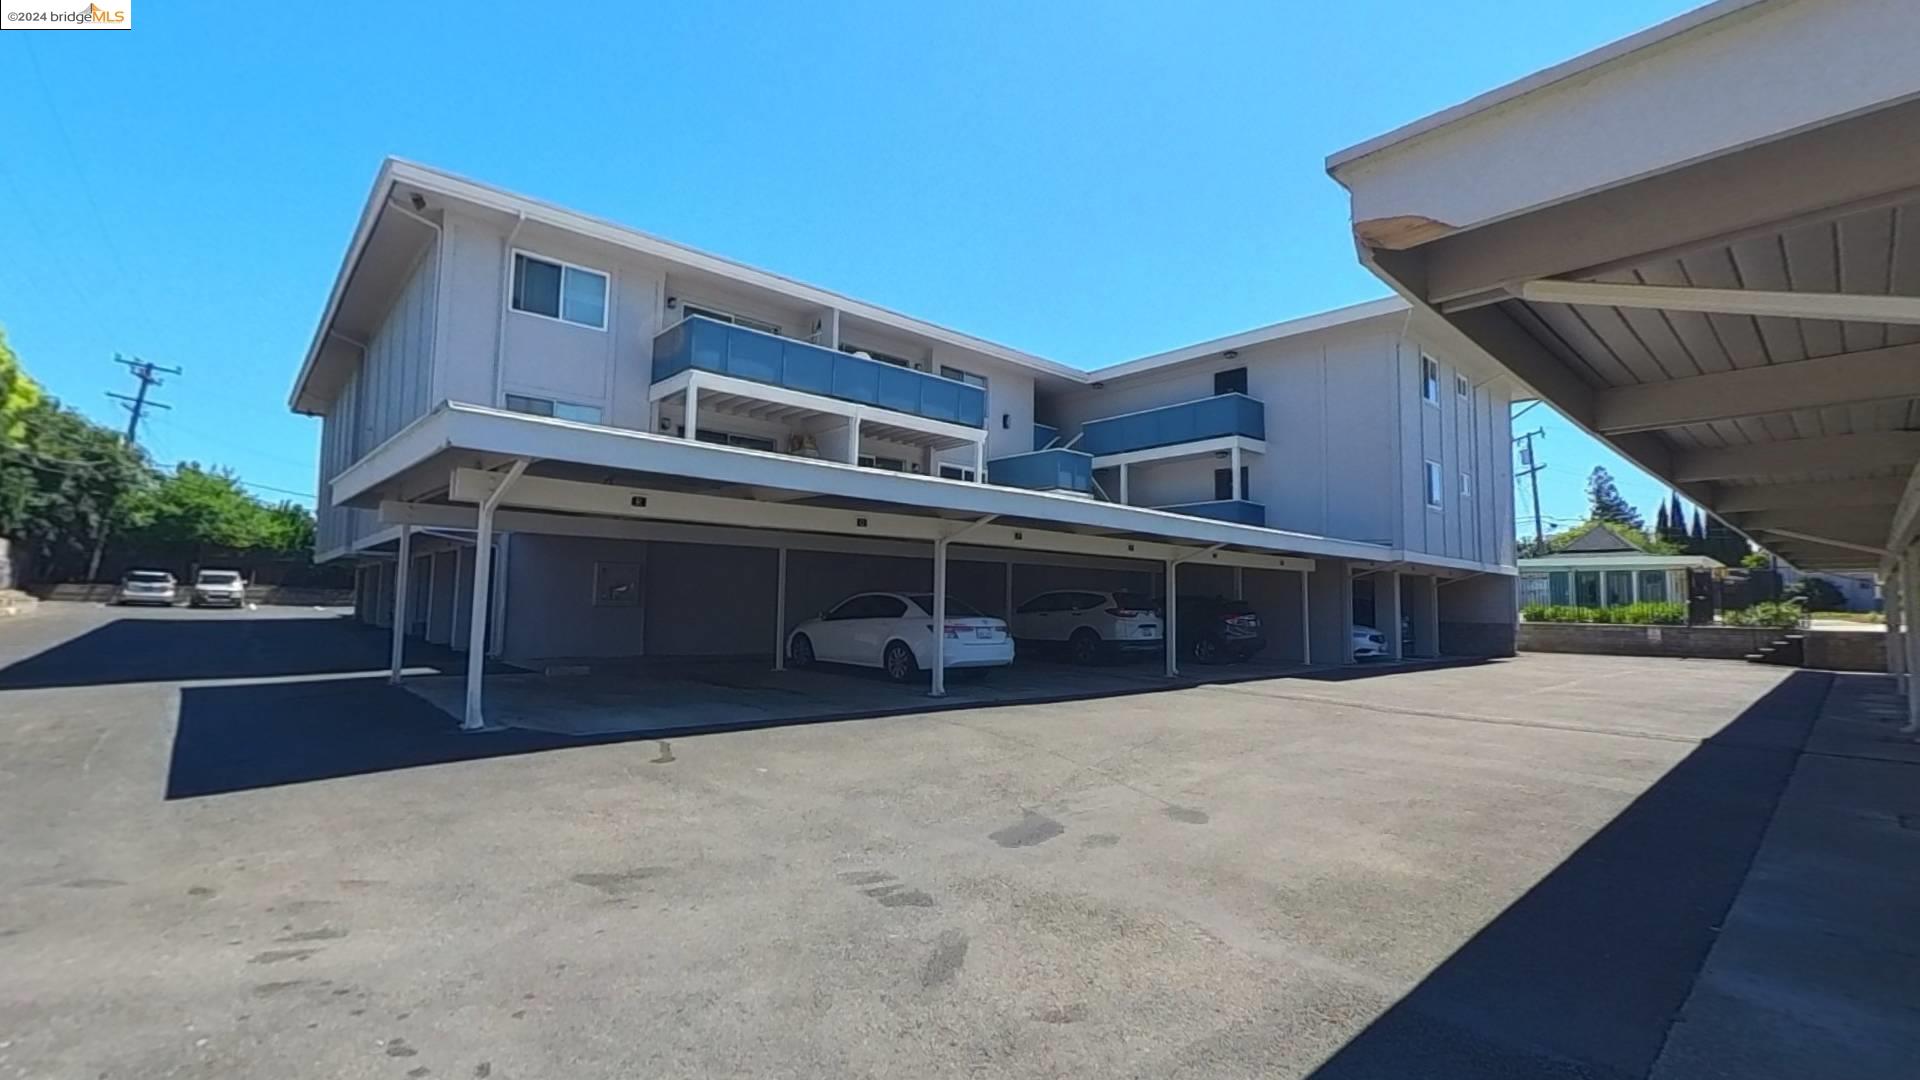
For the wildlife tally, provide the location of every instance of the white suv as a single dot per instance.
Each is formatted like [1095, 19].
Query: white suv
[1091, 623]
[218, 588]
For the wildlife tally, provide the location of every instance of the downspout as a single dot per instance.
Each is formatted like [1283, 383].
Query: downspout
[506, 301]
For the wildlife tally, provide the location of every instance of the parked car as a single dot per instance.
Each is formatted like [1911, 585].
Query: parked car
[146, 587]
[1368, 642]
[1090, 623]
[218, 588]
[894, 632]
[1214, 629]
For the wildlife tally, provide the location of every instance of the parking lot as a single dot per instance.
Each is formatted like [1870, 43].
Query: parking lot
[232, 849]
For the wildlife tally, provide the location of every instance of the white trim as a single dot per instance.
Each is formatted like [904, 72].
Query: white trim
[1202, 448]
[1428, 360]
[1843, 307]
[1434, 485]
[606, 290]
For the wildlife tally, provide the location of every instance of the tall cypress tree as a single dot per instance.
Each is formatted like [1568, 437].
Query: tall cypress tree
[1697, 539]
[1677, 514]
[1662, 525]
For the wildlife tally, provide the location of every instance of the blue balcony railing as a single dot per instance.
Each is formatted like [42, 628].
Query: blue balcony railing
[1238, 511]
[1171, 425]
[702, 344]
[1043, 435]
[1044, 470]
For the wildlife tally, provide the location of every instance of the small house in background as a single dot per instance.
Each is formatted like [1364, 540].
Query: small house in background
[1601, 568]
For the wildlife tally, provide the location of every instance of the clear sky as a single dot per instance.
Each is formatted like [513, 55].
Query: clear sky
[1090, 182]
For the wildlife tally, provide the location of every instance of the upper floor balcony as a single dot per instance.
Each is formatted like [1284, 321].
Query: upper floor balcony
[1044, 470]
[701, 344]
[1189, 427]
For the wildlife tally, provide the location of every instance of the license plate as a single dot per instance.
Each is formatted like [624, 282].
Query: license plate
[983, 633]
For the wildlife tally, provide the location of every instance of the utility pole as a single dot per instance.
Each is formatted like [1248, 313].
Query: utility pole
[1532, 473]
[149, 375]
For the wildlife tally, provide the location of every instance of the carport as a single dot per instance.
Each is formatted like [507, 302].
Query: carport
[479, 472]
[1701, 244]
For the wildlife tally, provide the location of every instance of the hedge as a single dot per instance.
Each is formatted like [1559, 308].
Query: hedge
[1650, 613]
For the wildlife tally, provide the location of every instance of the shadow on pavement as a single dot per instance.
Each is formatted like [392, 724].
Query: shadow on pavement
[134, 649]
[1582, 976]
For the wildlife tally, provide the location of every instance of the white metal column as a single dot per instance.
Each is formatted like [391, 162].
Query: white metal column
[1386, 586]
[1172, 633]
[1910, 604]
[1009, 608]
[1306, 618]
[780, 614]
[400, 589]
[692, 424]
[1891, 590]
[1239, 583]
[1124, 501]
[853, 438]
[939, 688]
[1238, 494]
[980, 462]
[471, 717]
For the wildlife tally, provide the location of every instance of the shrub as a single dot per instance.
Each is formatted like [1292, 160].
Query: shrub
[1818, 594]
[1779, 614]
[1650, 613]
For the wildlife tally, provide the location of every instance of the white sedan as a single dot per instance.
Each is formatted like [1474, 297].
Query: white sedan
[894, 632]
[1368, 643]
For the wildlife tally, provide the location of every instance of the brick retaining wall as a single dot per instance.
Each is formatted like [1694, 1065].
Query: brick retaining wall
[1836, 650]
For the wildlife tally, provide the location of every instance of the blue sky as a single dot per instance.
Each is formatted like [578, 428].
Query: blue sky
[1090, 182]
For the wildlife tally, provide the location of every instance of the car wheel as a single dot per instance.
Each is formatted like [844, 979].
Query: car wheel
[800, 653]
[898, 661]
[1205, 651]
[1084, 646]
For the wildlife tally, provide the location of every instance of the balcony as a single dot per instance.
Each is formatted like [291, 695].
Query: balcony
[1222, 417]
[1238, 511]
[1044, 470]
[702, 344]
[1043, 435]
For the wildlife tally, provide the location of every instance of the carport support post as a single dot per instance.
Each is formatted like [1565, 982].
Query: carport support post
[1172, 634]
[1909, 604]
[780, 613]
[1306, 617]
[939, 688]
[471, 718]
[1892, 589]
[1386, 610]
[404, 556]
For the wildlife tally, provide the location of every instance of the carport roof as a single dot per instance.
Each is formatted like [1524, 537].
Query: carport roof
[1701, 244]
[420, 463]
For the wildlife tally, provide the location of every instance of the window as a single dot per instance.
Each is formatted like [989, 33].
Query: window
[869, 606]
[1044, 602]
[1434, 490]
[688, 311]
[558, 291]
[559, 410]
[728, 438]
[1586, 588]
[967, 377]
[1560, 587]
[955, 607]
[1653, 586]
[1223, 484]
[1466, 484]
[1619, 588]
[955, 472]
[887, 463]
[1461, 387]
[1429, 379]
[1231, 381]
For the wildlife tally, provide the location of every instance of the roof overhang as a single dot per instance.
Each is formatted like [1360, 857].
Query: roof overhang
[423, 462]
[1701, 244]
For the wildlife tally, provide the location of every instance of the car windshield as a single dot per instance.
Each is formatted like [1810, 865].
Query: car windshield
[924, 601]
[218, 577]
[149, 577]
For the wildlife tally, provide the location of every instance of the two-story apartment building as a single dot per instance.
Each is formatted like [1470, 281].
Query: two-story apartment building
[550, 436]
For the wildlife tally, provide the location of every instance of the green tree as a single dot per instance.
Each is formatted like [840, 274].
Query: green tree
[1662, 525]
[1757, 560]
[65, 481]
[18, 395]
[197, 507]
[1605, 503]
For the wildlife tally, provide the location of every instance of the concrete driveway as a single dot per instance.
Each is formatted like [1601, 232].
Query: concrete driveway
[231, 851]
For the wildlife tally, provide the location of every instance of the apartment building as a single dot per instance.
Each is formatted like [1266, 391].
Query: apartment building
[550, 436]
